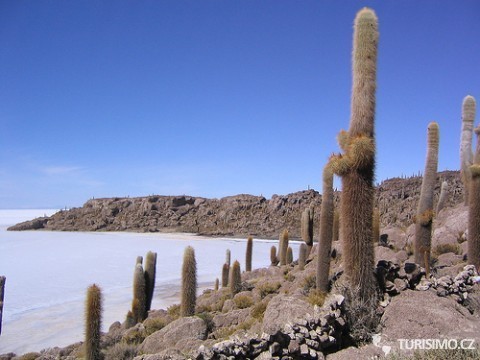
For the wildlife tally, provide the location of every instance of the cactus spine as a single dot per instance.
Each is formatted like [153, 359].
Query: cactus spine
[235, 278]
[225, 274]
[423, 226]
[466, 155]
[150, 272]
[2, 293]
[189, 283]
[248, 255]
[474, 209]
[273, 256]
[356, 166]
[283, 246]
[307, 227]
[93, 323]
[442, 199]
[139, 303]
[324, 246]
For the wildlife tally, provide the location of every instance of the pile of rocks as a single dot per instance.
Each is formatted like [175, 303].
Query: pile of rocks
[307, 339]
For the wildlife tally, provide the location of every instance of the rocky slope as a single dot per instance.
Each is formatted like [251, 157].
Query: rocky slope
[239, 215]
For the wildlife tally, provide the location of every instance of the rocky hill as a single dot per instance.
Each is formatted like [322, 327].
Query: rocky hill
[239, 215]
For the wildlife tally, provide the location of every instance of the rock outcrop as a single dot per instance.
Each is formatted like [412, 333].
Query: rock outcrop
[240, 215]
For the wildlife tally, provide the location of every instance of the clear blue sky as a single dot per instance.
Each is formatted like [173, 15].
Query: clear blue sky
[214, 98]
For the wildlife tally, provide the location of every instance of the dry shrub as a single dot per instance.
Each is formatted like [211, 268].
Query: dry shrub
[154, 324]
[268, 288]
[258, 310]
[447, 248]
[243, 301]
[316, 297]
[174, 311]
[309, 282]
[121, 351]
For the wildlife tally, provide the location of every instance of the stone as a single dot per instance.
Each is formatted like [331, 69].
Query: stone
[293, 347]
[176, 335]
[284, 309]
[304, 350]
[275, 349]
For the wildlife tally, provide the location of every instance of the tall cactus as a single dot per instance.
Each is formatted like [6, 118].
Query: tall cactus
[324, 246]
[2, 292]
[248, 254]
[357, 165]
[235, 278]
[466, 155]
[139, 303]
[189, 283]
[307, 227]
[302, 256]
[289, 255]
[93, 323]
[283, 247]
[474, 209]
[150, 273]
[423, 226]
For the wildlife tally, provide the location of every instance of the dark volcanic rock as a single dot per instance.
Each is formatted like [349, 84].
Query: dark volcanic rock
[240, 215]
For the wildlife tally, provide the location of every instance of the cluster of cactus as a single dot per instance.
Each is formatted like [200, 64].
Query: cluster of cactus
[93, 323]
[424, 218]
[326, 231]
[356, 166]
[307, 227]
[189, 283]
[143, 288]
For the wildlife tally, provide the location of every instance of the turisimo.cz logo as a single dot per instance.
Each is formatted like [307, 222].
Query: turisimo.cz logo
[437, 344]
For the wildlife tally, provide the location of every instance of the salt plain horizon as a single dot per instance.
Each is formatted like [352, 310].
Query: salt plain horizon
[48, 274]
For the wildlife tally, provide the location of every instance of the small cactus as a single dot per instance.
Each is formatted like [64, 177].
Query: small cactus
[235, 278]
[139, 260]
[139, 303]
[302, 256]
[217, 283]
[189, 283]
[283, 246]
[225, 272]
[150, 272]
[93, 323]
[227, 257]
[289, 255]
[248, 256]
[129, 320]
[442, 199]
[307, 227]
[273, 256]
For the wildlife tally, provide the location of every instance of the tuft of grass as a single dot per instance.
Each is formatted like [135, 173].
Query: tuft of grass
[154, 324]
[268, 288]
[174, 311]
[258, 310]
[309, 282]
[243, 301]
[316, 297]
[121, 351]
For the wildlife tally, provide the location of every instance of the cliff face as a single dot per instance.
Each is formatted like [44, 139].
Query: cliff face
[239, 215]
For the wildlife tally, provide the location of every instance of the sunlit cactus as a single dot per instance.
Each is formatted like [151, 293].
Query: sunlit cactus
[324, 246]
[302, 256]
[93, 323]
[150, 273]
[466, 154]
[473, 255]
[289, 255]
[356, 165]
[283, 246]
[235, 278]
[189, 283]
[307, 227]
[424, 218]
[139, 303]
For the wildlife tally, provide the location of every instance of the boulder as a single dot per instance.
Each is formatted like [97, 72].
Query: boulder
[176, 335]
[450, 225]
[283, 309]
